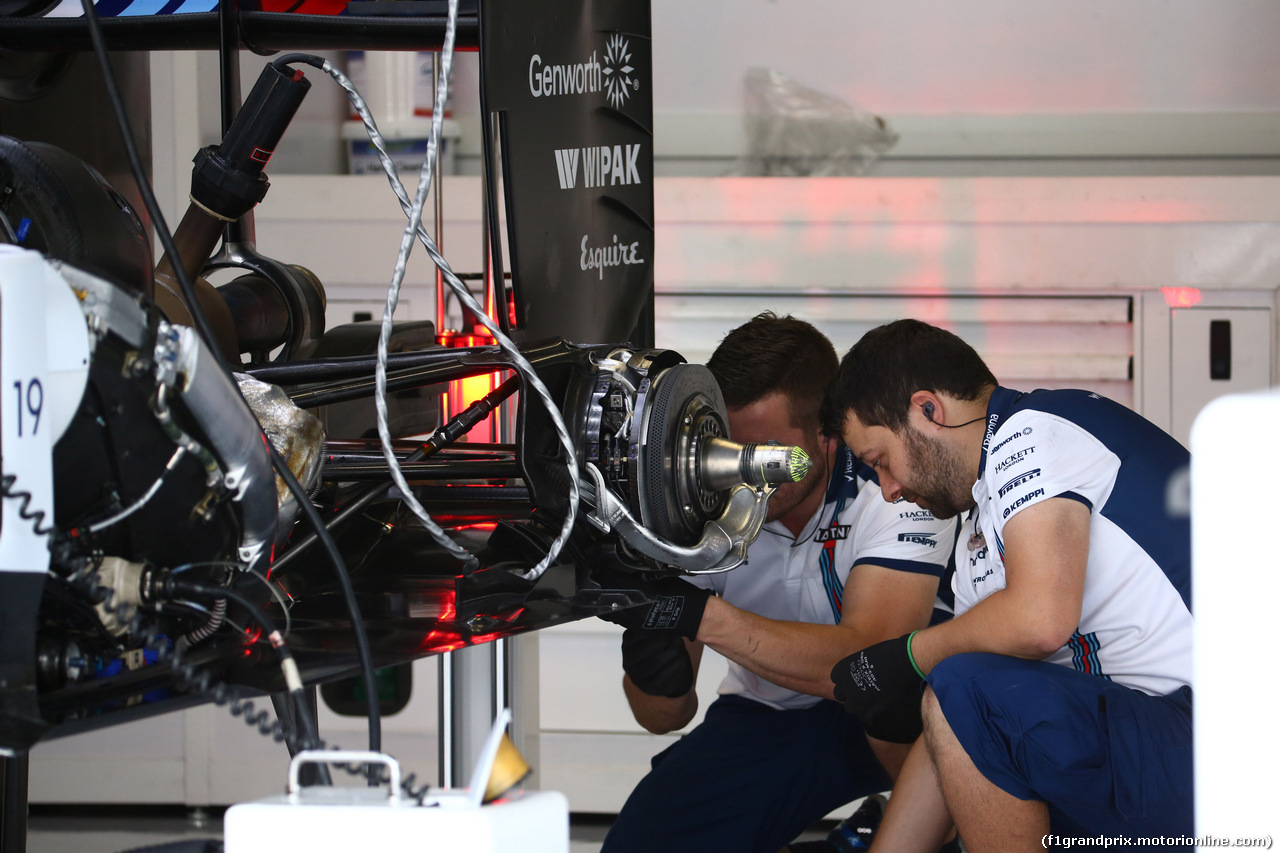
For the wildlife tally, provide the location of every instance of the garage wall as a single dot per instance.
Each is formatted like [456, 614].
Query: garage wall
[1008, 87]
[1057, 280]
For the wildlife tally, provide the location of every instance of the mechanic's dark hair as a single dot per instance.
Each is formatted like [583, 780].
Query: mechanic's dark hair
[880, 373]
[771, 353]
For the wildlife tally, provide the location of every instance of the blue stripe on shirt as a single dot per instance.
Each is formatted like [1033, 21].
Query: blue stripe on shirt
[912, 566]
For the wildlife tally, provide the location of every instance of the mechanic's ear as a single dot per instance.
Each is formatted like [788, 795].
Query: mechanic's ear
[926, 405]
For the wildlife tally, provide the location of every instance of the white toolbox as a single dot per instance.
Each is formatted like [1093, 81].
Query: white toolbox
[345, 819]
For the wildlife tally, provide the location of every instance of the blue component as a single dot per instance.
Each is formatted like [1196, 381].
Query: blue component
[23, 227]
[115, 666]
[110, 668]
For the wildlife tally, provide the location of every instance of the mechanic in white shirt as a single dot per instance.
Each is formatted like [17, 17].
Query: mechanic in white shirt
[835, 569]
[1058, 704]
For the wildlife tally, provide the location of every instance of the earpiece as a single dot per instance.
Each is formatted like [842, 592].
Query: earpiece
[927, 409]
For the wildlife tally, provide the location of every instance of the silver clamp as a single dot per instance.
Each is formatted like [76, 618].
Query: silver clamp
[724, 541]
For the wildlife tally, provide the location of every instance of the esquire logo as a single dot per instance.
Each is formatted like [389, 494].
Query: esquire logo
[611, 72]
[613, 255]
[832, 534]
[918, 538]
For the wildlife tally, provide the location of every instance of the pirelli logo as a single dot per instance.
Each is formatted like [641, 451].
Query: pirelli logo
[1019, 480]
[918, 538]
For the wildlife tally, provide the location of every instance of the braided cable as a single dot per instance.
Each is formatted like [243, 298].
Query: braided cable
[413, 209]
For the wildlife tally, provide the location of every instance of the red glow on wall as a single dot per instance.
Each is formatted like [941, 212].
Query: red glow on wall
[1181, 297]
[464, 392]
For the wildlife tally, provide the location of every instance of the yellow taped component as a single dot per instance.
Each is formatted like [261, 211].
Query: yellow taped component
[798, 464]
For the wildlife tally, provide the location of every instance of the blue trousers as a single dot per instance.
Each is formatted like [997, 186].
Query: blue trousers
[748, 778]
[1107, 759]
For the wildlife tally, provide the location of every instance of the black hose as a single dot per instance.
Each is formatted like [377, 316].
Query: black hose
[305, 58]
[309, 736]
[207, 336]
[348, 593]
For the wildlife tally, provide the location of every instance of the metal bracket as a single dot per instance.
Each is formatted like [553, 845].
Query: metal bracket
[724, 541]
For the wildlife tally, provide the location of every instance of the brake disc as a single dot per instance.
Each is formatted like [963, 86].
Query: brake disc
[682, 408]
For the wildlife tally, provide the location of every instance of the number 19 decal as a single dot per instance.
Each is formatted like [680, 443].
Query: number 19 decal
[32, 400]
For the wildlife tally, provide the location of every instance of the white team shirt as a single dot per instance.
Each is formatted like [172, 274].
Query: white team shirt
[801, 579]
[1135, 624]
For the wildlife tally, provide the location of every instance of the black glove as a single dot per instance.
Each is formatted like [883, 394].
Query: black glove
[658, 664]
[676, 606]
[881, 687]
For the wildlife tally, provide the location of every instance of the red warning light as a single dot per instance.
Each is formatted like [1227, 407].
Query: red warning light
[1181, 297]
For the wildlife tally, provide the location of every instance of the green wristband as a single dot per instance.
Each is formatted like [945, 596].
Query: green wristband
[912, 657]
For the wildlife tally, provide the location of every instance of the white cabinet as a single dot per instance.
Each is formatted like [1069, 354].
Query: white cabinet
[139, 762]
[593, 751]
[205, 756]
[1216, 351]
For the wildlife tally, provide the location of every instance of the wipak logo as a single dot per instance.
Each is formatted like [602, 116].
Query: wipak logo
[603, 165]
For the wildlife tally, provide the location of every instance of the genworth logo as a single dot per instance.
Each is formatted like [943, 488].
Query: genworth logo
[618, 80]
[614, 74]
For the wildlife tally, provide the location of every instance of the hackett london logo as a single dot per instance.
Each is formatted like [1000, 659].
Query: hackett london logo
[1014, 459]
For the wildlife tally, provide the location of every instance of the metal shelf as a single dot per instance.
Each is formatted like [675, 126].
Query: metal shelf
[261, 32]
